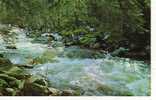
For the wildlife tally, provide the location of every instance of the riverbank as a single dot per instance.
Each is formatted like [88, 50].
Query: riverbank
[16, 81]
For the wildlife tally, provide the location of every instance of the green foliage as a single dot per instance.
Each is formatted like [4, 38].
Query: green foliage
[122, 19]
[88, 39]
[70, 14]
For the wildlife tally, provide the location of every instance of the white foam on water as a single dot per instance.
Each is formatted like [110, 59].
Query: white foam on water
[102, 76]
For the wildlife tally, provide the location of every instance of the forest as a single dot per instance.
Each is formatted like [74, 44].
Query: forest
[75, 47]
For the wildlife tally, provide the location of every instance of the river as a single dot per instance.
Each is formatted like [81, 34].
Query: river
[82, 70]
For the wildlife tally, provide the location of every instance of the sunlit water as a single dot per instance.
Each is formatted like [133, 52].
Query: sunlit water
[79, 69]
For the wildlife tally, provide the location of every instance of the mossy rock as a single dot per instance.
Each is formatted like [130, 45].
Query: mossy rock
[17, 72]
[12, 81]
[5, 62]
[36, 79]
[15, 81]
[41, 82]
[17, 84]
[3, 83]
[34, 89]
[10, 92]
[7, 77]
[54, 92]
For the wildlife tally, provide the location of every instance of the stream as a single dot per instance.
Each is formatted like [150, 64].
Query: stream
[85, 71]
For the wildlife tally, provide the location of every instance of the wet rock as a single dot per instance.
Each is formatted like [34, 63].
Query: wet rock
[5, 62]
[25, 86]
[24, 66]
[36, 79]
[1, 94]
[33, 89]
[41, 82]
[9, 81]
[10, 91]
[68, 93]
[7, 77]
[1, 55]
[15, 84]
[11, 47]
[16, 72]
[36, 86]
[104, 89]
[3, 83]
[54, 92]
[96, 45]
[111, 91]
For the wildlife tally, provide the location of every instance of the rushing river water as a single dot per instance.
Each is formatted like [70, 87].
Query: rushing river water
[82, 70]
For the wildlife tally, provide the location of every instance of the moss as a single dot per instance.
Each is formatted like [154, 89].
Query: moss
[3, 83]
[7, 77]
